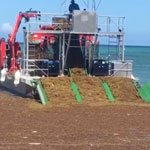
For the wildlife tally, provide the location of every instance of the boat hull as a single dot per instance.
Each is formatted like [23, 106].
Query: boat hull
[22, 89]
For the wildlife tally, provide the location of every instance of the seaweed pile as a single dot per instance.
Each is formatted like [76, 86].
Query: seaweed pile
[58, 89]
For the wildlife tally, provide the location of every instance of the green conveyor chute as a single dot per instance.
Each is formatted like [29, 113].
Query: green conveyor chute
[108, 92]
[42, 93]
[76, 92]
[144, 92]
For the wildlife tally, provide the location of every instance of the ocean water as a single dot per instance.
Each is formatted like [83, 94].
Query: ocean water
[140, 55]
[141, 62]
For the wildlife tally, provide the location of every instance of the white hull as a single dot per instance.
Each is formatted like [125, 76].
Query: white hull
[21, 89]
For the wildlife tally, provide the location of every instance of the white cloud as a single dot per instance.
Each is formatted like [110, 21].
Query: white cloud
[6, 28]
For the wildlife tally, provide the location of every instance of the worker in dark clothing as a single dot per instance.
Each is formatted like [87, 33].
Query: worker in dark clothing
[73, 6]
[45, 44]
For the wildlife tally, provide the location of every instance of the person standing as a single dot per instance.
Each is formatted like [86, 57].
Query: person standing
[73, 6]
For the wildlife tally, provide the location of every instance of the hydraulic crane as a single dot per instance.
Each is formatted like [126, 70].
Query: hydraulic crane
[14, 48]
[11, 56]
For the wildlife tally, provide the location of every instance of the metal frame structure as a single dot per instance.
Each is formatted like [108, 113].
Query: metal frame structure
[111, 27]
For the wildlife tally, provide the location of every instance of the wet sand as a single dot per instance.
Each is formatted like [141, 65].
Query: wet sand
[26, 124]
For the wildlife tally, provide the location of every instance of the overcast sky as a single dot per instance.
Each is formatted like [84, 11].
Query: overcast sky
[136, 12]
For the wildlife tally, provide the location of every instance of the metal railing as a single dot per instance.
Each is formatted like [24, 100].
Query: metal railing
[33, 66]
[104, 23]
[111, 24]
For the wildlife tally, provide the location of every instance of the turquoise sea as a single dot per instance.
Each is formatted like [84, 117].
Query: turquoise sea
[141, 61]
[140, 55]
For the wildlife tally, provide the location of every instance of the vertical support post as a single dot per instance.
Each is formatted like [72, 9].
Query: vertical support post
[123, 48]
[122, 36]
[24, 46]
[27, 53]
[60, 53]
[108, 24]
[84, 49]
[95, 44]
[119, 55]
[90, 60]
[63, 54]
[67, 49]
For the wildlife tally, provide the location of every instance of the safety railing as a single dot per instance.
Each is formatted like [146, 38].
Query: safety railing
[38, 65]
[111, 24]
[60, 23]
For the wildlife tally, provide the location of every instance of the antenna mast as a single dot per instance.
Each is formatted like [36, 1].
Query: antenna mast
[89, 4]
[92, 4]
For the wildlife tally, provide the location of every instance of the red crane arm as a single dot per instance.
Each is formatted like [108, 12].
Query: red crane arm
[11, 40]
[27, 16]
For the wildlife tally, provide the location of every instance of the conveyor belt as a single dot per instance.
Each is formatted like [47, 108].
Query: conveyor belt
[75, 56]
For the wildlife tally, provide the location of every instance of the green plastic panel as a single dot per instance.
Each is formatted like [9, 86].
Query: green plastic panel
[76, 92]
[108, 92]
[42, 93]
[144, 92]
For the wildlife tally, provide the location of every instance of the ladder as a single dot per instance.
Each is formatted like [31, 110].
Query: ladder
[73, 55]
[34, 59]
[117, 42]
